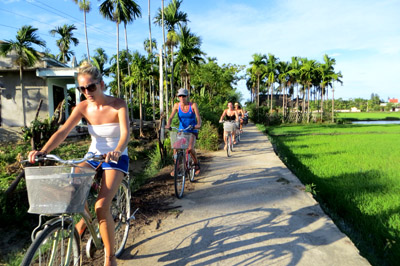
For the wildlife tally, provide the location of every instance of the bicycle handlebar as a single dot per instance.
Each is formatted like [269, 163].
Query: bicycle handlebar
[53, 157]
[181, 130]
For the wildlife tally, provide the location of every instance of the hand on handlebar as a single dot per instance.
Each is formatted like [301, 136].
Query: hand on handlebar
[35, 154]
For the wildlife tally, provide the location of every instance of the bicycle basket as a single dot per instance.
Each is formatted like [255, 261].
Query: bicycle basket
[57, 189]
[229, 126]
[180, 140]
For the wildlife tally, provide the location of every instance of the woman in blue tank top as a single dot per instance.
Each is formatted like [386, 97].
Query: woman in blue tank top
[188, 114]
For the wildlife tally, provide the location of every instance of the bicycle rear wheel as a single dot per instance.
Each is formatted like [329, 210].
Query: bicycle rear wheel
[180, 173]
[191, 167]
[121, 212]
[55, 245]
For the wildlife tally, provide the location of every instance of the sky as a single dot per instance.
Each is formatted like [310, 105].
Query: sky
[363, 36]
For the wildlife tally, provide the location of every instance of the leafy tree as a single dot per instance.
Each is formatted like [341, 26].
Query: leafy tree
[189, 55]
[257, 70]
[26, 55]
[64, 43]
[119, 11]
[172, 17]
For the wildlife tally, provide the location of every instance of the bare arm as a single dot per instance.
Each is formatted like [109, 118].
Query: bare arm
[223, 115]
[124, 135]
[60, 135]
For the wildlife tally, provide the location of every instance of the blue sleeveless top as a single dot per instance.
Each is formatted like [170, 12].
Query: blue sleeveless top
[186, 119]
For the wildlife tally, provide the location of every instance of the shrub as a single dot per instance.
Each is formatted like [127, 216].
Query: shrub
[208, 137]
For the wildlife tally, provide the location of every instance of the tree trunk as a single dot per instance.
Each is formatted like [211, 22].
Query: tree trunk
[22, 96]
[308, 104]
[118, 92]
[86, 37]
[322, 103]
[333, 103]
[152, 93]
[172, 76]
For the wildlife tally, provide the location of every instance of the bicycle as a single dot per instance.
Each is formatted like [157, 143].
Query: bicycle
[229, 127]
[56, 241]
[184, 164]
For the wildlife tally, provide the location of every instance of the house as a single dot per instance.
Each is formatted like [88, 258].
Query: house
[48, 79]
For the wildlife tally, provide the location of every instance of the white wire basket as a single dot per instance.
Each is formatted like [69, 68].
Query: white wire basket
[229, 126]
[58, 189]
[180, 140]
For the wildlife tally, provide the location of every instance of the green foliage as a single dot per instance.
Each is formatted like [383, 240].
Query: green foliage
[357, 179]
[39, 131]
[208, 137]
[369, 116]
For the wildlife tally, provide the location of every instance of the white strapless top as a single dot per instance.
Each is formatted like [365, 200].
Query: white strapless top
[105, 138]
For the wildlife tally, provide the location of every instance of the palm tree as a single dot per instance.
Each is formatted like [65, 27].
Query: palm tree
[140, 74]
[84, 5]
[307, 73]
[272, 73]
[336, 77]
[99, 60]
[64, 43]
[172, 17]
[327, 71]
[258, 69]
[26, 55]
[148, 47]
[189, 54]
[294, 74]
[119, 11]
[283, 77]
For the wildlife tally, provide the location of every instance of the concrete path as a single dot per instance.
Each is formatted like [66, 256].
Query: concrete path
[248, 209]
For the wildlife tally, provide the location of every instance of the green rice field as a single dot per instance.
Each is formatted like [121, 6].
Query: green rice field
[354, 172]
[369, 116]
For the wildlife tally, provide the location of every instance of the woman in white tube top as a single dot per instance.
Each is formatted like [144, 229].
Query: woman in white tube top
[109, 128]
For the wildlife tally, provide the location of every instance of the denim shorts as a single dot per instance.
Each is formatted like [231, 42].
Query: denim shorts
[122, 165]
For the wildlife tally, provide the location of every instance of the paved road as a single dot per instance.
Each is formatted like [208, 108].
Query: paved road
[245, 210]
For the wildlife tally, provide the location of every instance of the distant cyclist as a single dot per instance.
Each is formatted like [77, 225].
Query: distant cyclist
[240, 112]
[230, 115]
[188, 114]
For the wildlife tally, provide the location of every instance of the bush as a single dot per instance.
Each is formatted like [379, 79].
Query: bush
[208, 137]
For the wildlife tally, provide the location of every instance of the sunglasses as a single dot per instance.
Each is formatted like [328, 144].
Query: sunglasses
[90, 88]
[181, 95]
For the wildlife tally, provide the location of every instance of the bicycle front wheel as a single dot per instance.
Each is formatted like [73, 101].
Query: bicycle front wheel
[191, 167]
[179, 175]
[121, 212]
[55, 245]
[229, 148]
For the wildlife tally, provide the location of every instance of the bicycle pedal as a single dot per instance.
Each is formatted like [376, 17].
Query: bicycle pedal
[133, 215]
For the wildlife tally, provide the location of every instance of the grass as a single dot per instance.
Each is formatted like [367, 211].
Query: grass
[369, 116]
[353, 171]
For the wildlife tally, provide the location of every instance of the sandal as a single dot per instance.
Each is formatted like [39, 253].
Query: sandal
[197, 168]
[225, 148]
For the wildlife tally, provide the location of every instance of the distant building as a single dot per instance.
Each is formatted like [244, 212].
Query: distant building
[394, 100]
[47, 80]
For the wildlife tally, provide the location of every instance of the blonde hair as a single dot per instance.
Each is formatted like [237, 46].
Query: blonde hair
[88, 69]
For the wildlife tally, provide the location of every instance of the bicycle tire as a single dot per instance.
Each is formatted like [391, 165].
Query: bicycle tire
[191, 167]
[179, 176]
[229, 148]
[121, 212]
[47, 249]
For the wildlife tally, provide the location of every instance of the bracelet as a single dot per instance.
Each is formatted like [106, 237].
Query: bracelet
[120, 152]
[43, 151]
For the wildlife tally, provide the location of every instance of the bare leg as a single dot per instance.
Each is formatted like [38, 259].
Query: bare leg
[109, 186]
[225, 136]
[192, 152]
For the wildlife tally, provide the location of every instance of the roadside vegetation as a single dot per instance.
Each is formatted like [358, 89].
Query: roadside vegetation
[352, 170]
